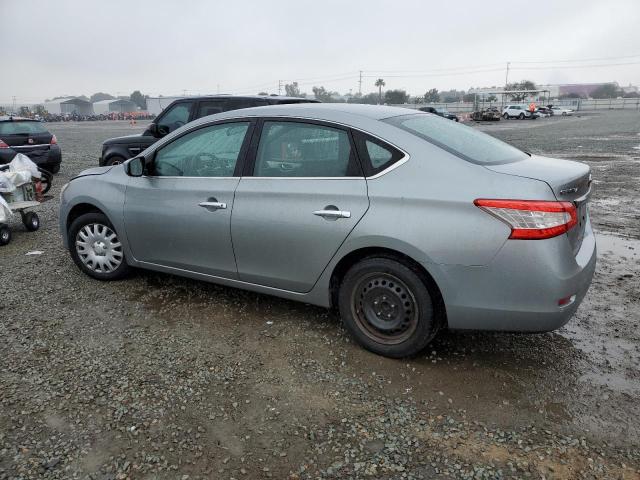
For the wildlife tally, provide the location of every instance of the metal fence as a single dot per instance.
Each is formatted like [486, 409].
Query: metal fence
[578, 104]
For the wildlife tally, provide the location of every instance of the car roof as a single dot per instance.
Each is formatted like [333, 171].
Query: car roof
[320, 111]
[262, 97]
[11, 118]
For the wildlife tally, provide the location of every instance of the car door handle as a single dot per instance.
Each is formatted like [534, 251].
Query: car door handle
[332, 213]
[213, 205]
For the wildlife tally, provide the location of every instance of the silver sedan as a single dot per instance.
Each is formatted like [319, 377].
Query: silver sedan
[403, 221]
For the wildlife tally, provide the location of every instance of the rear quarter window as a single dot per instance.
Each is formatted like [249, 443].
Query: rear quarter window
[17, 127]
[465, 142]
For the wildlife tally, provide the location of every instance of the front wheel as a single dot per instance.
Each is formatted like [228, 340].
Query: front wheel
[521, 116]
[505, 116]
[5, 235]
[31, 221]
[96, 248]
[114, 161]
[387, 307]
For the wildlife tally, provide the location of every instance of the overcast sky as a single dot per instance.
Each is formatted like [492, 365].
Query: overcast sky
[52, 48]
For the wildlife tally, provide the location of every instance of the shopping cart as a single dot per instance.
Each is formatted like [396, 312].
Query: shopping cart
[22, 200]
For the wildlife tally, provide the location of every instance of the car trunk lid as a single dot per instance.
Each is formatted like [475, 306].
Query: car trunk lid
[26, 136]
[569, 180]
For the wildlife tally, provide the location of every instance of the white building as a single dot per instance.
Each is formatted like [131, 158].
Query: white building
[115, 105]
[155, 105]
[70, 105]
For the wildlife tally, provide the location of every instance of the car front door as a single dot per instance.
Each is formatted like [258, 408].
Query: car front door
[303, 193]
[178, 214]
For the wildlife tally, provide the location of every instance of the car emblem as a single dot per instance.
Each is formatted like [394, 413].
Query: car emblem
[30, 140]
[566, 191]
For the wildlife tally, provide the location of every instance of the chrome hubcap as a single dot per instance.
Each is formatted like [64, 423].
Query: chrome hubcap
[98, 248]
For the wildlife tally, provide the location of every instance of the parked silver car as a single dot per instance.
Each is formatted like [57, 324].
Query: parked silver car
[403, 221]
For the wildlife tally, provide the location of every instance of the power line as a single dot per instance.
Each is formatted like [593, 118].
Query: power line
[582, 60]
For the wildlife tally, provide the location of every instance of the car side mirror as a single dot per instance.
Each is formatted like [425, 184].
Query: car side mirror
[136, 166]
[162, 130]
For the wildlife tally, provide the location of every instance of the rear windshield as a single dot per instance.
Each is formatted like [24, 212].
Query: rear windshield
[17, 127]
[465, 142]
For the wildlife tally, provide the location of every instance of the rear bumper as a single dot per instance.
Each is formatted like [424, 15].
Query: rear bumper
[519, 290]
[42, 158]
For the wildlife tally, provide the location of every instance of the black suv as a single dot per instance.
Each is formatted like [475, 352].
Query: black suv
[178, 113]
[23, 135]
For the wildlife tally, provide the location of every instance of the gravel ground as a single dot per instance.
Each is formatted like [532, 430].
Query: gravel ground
[162, 377]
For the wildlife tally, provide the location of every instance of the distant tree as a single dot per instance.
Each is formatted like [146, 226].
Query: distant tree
[380, 83]
[491, 98]
[139, 99]
[469, 97]
[523, 85]
[292, 90]
[608, 90]
[396, 97]
[451, 96]
[40, 110]
[432, 96]
[263, 93]
[325, 95]
[368, 99]
[99, 96]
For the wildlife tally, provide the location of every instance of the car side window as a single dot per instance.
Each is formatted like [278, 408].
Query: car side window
[296, 149]
[207, 152]
[375, 154]
[210, 107]
[176, 116]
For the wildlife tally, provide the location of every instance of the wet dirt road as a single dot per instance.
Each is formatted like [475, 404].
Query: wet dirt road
[162, 377]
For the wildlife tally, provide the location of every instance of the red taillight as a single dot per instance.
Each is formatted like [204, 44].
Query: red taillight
[532, 219]
[54, 140]
[3, 145]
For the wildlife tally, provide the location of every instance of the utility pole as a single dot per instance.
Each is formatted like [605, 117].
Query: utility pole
[279, 86]
[13, 108]
[360, 84]
[506, 78]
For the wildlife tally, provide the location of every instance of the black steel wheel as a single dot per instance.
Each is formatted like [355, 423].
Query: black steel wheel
[5, 235]
[31, 221]
[388, 307]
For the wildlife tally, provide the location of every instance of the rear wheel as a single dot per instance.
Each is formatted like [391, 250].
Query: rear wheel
[5, 235]
[387, 307]
[505, 116]
[96, 248]
[54, 168]
[521, 116]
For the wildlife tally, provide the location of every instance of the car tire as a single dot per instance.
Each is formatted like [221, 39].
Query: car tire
[505, 116]
[31, 221]
[115, 160]
[564, 114]
[521, 116]
[407, 320]
[5, 235]
[95, 247]
[54, 168]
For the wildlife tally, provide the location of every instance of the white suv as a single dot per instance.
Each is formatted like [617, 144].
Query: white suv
[517, 111]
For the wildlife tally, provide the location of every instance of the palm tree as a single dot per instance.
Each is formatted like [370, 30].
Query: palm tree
[380, 83]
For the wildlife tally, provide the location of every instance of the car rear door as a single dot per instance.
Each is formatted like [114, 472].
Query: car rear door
[178, 214]
[302, 194]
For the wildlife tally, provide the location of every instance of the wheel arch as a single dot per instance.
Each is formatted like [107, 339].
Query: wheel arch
[80, 209]
[353, 257]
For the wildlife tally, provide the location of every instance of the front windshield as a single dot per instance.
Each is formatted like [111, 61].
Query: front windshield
[465, 142]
